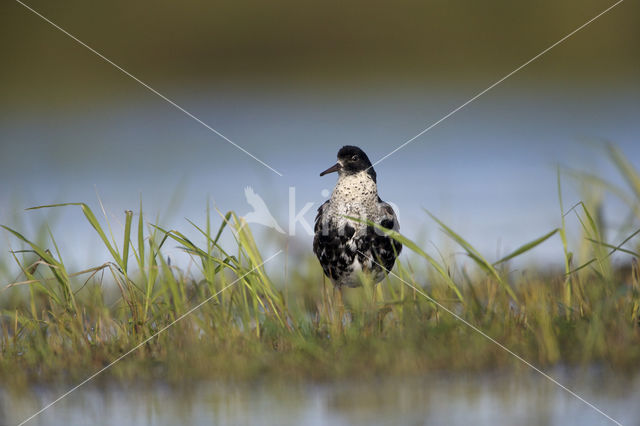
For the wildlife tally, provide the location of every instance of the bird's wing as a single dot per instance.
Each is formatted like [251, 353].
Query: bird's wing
[386, 249]
[329, 245]
[389, 219]
[318, 220]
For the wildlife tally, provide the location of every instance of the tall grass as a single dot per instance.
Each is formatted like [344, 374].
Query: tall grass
[61, 324]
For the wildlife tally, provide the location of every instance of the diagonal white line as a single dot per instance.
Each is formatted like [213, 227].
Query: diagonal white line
[503, 347]
[190, 311]
[497, 83]
[149, 87]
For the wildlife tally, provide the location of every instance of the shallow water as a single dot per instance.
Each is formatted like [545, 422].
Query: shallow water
[501, 398]
[486, 172]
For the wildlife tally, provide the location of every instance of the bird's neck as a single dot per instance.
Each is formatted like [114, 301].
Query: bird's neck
[358, 188]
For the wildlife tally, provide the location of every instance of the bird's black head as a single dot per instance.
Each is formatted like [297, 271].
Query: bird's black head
[351, 160]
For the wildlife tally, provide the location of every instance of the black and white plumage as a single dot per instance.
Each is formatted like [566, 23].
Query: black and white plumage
[344, 247]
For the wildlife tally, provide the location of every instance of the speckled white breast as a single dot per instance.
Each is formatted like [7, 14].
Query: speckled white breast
[357, 196]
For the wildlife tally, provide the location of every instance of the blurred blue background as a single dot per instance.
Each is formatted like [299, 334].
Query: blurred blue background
[292, 83]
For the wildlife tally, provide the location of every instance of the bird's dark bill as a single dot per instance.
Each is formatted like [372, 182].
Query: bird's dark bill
[332, 169]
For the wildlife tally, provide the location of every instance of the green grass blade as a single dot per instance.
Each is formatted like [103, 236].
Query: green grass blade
[626, 169]
[190, 247]
[614, 249]
[416, 249]
[34, 281]
[475, 255]
[568, 256]
[127, 239]
[598, 181]
[94, 223]
[141, 237]
[526, 247]
[57, 269]
[471, 251]
[225, 221]
[42, 253]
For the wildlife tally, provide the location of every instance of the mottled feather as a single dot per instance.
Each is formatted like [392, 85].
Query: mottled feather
[345, 247]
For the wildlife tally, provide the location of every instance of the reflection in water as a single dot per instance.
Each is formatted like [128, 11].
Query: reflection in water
[515, 398]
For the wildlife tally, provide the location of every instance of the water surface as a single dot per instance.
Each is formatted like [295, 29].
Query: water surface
[492, 398]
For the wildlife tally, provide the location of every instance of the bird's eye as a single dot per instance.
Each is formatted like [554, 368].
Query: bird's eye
[354, 158]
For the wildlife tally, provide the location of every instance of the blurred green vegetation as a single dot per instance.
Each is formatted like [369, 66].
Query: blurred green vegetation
[188, 44]
[233, 321]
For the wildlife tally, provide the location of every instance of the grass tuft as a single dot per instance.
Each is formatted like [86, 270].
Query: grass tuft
[57, 324]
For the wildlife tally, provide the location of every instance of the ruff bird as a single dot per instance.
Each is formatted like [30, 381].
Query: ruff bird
[344, 247]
